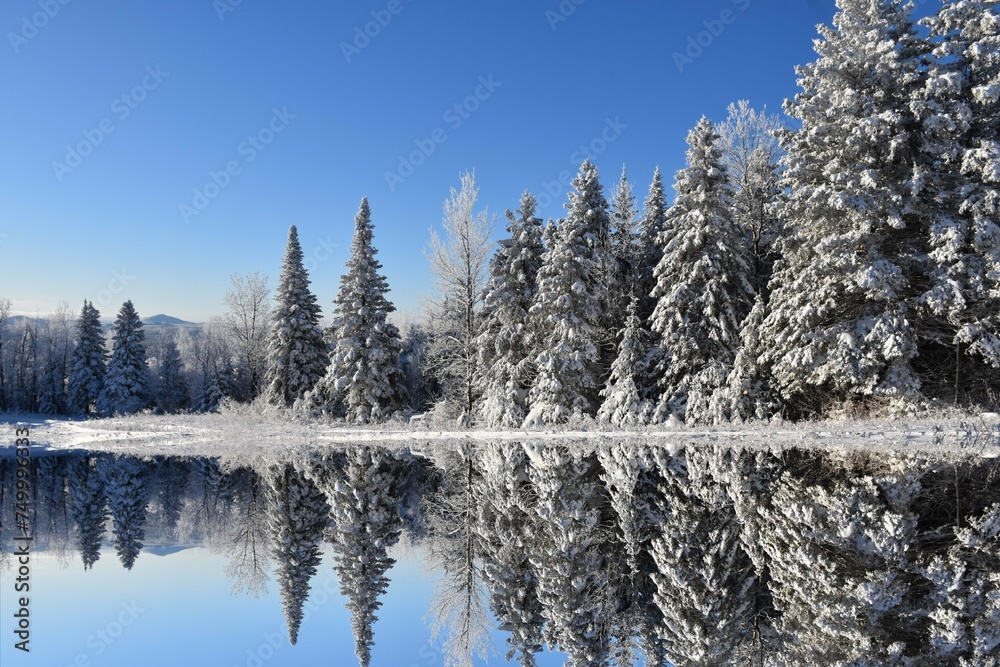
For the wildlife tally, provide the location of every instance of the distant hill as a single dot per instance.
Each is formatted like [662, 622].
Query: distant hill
[164, 320]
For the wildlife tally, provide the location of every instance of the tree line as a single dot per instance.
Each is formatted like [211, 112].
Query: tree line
[848, 264]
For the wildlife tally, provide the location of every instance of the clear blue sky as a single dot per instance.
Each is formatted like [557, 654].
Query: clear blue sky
[201, 82]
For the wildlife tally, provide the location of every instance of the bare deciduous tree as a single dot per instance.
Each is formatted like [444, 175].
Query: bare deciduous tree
[247, 320]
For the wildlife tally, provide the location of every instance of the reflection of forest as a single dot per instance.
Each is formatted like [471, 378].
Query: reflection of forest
[708, 556]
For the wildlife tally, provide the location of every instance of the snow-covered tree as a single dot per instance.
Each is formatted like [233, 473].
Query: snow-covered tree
[171, 381]
[88, 507]
[960, 110]
[297, 515]
[365, 494]
[126, 486]
[296, 351]
[648, 250]
[248, 318]
[841, 322]
[126, 386]
[88, 362]
[619, 251]
[749, 391]
[506, 530]
[459, 263]
[703, 287]
[507, 341]
[572, 568]
[569, 307]
[364, 378]
[631, 385]
[53, 395]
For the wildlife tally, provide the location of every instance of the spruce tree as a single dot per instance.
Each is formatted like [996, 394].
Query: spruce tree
[88, 506]
[171, 383]
[649, 245]
[127, 383]
[702, 285]
[364, 378]
[841, 322]
[125, 480]
[569, 308]
[507, 342]
[87, 367]
[296, 352]
[297, 515]
[631, 384]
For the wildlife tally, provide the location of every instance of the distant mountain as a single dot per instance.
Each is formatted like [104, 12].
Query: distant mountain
[164, 320]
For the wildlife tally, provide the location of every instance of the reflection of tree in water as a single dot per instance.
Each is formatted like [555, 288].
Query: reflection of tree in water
[712, 555]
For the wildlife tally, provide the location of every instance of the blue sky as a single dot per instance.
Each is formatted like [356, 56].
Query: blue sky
[151, 150]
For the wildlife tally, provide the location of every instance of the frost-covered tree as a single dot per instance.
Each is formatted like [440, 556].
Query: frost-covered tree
[248, 318]
[459, 262]
[960, 110]
[126, 386]
[53, 391]
[631, 385]
[126, 486]
[751, 152]
[296, 351]
[648, 249]
[297, 515]
[507, 342]
[749, 392]
[703, 286]
[365, 494]
[88, 507]
[572, 568]
[570, 305]
[364, 379]
[841, 322]
[620, 261]
[87, 366]
[171, 381]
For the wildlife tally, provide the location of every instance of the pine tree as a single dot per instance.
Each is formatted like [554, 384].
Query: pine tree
[126, 384]
[126, 486]
[960, 112]
[88, 507]
[365, 495]
[507, 341]
[648, 250]
[88, 362]
[171, 383]
[572, 568]
[296, 352]
[629, 390]
[702, 284]
[841, 322]
[298, 515]
[569, 307]
[364, 374]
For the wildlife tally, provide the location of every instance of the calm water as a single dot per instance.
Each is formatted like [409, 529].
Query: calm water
[499, 554]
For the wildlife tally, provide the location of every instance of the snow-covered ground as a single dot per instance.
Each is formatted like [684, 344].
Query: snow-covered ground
[243, 432]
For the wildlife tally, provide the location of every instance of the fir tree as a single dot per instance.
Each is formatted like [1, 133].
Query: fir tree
[296, 352]
[631, 384]
[749, 391]
[702, 283]
[297, 515]
[126, 486]
[364, 375]
[171, 383]
[88, 362]
[570, 304]
[126, 384]
[88, 507]
[507, 341]
[648, 250]
[841, 322]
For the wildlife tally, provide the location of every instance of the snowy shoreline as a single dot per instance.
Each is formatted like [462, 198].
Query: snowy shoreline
[239, 433]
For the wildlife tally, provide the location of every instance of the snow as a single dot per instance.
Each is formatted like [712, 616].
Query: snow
[241, 432]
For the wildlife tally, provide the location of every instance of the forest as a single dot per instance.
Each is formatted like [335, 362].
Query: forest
[843, 261]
